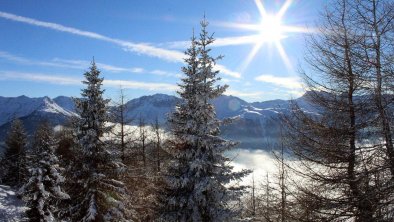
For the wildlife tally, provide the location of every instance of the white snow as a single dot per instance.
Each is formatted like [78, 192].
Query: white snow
[255, 108]
[11, 208]
[52, 107]
[17, 107]
[251, 111]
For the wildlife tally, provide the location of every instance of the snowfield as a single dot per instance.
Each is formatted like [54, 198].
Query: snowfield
[11, 208]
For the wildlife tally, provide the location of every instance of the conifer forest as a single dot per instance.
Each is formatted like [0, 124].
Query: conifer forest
[97, 157]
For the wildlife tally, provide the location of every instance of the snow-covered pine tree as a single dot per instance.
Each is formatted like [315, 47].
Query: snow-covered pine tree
[13, 163]
[43, 191]
[197, 180]
[98, 194]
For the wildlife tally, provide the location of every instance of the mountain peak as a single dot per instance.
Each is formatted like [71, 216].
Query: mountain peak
[254, 124]
[159, 97]
[51, 106]
[22, 97]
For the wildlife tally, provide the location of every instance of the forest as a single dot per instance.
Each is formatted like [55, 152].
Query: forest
[333, 165]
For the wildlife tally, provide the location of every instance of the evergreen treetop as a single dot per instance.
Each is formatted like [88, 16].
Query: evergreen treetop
[98, 194]
[43, 191]
[197, 180]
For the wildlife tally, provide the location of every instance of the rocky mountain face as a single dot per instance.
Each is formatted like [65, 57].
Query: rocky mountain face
[254, 124]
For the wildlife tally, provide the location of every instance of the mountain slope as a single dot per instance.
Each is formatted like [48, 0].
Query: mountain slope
[256, 122]
[17, 107]
[32, 111]
[65, 102]
[151, 107]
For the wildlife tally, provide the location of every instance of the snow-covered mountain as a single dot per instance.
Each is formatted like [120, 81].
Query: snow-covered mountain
[32, 111]
[22, 106]
[151, 107]
[65, 102]
[255, 125]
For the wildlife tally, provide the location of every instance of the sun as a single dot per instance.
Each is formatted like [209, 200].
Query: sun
[271, 29]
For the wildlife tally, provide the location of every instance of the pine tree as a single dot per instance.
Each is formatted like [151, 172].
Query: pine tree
[98, 194]
[43, 191]
[14, 160]
[197, 179]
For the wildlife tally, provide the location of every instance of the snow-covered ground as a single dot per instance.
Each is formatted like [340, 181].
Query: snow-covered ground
[262, 162]
[11, 208]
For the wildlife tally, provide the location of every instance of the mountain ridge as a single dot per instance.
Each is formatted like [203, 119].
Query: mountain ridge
[257, 122]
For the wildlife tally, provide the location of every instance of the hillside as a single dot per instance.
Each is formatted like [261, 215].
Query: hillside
[255, 124]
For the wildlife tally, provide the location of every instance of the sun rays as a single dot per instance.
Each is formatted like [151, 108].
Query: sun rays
[270, 31]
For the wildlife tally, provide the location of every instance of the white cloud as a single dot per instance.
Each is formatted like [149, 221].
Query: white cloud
[176, 45]
[225, 80]
[37, 77]
[297, 93]
[165, 73]
[140, 85]
[260, 161]
[65, 80]
[83, 64]
[8, 56]
[227, 72]
[285, 82]
[223, 41]
[26, 61]
[139, 48]
[238, 40]
[145, 49]
[257, 95]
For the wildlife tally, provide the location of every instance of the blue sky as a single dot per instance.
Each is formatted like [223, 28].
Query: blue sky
[46, 46]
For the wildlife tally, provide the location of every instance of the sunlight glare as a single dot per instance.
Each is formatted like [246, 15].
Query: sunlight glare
[284, 8]
[270, 32]
[283, 55]
[271, 29]
[260, 7]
